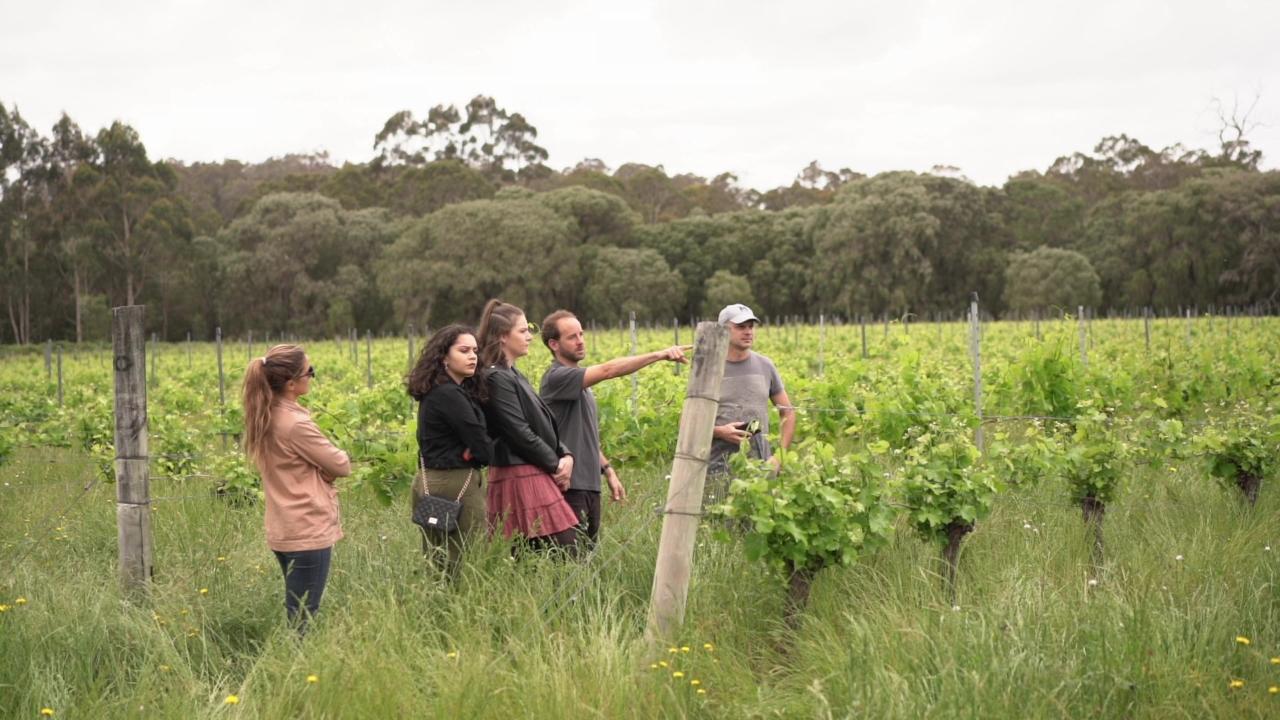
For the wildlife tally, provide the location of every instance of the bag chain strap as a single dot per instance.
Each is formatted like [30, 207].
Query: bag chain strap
[426, 489]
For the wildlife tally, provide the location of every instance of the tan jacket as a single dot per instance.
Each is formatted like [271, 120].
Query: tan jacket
[298, 468]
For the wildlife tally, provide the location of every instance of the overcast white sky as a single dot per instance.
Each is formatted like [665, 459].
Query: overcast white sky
[755, 88]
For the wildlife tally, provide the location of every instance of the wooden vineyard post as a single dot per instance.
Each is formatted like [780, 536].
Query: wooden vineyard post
[48, 359]
[975, 352]
[188, 349]
[353, 337]
[1146, 325]
[862, 320]
[133, 492]
[1035, 314]
[683, 509]
[635, 377]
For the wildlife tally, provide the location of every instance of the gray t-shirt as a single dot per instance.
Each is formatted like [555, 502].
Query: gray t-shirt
[575, 409]
[744, 395]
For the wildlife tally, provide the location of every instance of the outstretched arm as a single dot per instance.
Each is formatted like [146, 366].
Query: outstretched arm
[618, 367]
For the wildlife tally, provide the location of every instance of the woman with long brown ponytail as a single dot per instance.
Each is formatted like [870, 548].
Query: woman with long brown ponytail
[298, 465]
[529, 467]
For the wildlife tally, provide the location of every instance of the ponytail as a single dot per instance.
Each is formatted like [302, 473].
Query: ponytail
[496, 320]
[264, 378]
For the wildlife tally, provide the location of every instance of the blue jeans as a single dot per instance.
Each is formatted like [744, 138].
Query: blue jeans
[305, 573]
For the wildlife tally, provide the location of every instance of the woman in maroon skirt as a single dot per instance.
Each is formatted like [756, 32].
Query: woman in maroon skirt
[529, 466]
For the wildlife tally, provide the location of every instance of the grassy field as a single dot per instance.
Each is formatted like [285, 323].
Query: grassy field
[1190, 574]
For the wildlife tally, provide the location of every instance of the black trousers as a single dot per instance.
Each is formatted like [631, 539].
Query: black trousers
[305, 574]
[586, 505]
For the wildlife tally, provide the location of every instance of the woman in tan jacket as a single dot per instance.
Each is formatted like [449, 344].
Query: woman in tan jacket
[298, 466]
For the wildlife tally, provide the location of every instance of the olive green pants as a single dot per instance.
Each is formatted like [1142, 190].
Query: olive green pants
[443, 549]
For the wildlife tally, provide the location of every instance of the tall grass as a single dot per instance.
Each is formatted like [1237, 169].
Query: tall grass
[534, 637]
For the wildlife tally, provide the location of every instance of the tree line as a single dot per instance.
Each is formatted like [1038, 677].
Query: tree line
[460, 206]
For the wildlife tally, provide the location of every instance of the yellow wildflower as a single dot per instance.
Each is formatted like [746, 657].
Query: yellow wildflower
[165, 668]
[1275, 661]
[701, 691]
[313, 679]
[1274, 689]
[708, 647]
[1237, 684]
[222, 558]
[1242, 640]
[20, 601]
[673, 651]
[231, 700]
[684, 649]
[653, 666]
[204, 591]
[46, 712]
[662, 663]
[677, 674]
[695, 682]
[451, 654]
[4, 608]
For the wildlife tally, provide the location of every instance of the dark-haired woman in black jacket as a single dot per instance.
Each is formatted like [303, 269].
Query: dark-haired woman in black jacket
[452, 439]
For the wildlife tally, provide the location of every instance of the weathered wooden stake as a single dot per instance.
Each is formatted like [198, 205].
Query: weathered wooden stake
[48, 359]
[368, 358]
[133, 492]
[683, 508]
[862, 320]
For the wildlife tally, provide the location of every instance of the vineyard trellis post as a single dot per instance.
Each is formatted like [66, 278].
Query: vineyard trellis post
[133, 478]
[862, 320]
[975, 351]
[188, 349]
[683, 509]
[222, 377]
[1035, 314]
[353, 337]
[48, 359]
[1188, 328]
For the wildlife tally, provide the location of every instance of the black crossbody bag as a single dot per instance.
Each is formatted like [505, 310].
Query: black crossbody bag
[437, 513]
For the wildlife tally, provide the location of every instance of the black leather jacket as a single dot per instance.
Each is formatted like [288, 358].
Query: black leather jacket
[523, 429]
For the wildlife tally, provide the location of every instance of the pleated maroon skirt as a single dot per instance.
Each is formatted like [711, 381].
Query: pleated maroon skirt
[524, 499]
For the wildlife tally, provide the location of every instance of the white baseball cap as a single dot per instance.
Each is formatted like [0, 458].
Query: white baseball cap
[737, 314]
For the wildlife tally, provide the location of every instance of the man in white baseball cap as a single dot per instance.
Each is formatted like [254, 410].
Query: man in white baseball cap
[751, 381]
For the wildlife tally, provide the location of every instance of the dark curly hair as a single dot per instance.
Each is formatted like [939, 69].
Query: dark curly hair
[429, 370]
